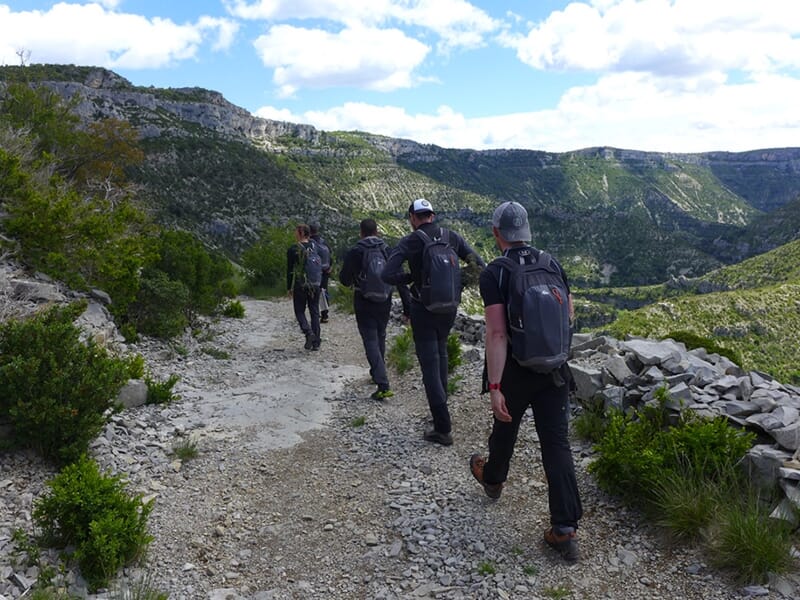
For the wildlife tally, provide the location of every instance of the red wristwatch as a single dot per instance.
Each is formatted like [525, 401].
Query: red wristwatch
[494, 386]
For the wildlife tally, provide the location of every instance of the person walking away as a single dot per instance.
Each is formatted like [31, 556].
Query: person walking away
[372, 300]
[325, 255]
[432, 253]
[512, 342]
[303, 279]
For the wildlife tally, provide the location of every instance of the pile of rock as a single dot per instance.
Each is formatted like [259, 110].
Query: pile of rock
[625, 374]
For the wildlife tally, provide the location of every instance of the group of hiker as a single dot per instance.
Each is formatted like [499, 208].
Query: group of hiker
[528, 313]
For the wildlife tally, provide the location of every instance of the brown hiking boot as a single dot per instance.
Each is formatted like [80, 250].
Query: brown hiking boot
[476, 464]
[566, 545]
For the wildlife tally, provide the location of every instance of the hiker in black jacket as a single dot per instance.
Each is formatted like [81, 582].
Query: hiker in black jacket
[372, 310]
[430, 329]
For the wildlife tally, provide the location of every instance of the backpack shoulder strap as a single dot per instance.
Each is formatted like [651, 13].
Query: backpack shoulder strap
[544, 259]
[423, 236]
[505, 264]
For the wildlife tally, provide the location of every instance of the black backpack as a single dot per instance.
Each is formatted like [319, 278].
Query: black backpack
[369, 282]
[441, 274]
[537, 309]
[312, 264]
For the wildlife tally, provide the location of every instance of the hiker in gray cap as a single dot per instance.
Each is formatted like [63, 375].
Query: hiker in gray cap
[528, 312]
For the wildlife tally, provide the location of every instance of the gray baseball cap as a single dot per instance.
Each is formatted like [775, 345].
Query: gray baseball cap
[511, 219]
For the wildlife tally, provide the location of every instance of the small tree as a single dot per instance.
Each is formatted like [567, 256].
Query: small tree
[265, 261]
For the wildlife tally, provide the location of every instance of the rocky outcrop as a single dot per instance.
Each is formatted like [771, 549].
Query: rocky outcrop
[156, 111]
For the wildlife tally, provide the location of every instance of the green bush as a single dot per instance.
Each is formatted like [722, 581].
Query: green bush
[454, 351]
[627, 463]
[160, 392]
[342, 298]
[590, 423]
[688, 477]
[233, 309]
[265, 261]
[92, 513]
[161, 307]
[747, 541]
[208, 277]
[400, 353]
[56, 389]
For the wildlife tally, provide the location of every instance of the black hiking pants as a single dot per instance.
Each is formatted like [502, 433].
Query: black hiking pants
[430, 332]
[549, 401]
[302, 298]
[372, 319]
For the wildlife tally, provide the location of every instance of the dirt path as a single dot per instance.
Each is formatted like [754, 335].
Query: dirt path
[361, 506]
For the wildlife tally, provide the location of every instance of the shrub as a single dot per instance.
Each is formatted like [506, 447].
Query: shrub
[92, 512]
[629, 463]
[590, 424]
[207, 276]
[160, 392]
[685, 505]
[233, 309]
[400, 351]
[454, 351]
[265, 261]
[746, 540]
[161, 307]
[56, 389]
[688, 477]
[185, 449]
[342, 298]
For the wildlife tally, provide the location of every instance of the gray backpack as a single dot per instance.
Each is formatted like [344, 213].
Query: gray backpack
[312, 264]
[537, 309]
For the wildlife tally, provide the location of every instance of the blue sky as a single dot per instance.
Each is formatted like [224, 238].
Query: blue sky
[555, 75]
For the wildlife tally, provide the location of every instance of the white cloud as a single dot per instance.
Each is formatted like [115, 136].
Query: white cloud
[635, 111]
[341, 11]
[374, 59]
[457, 22]
[666, 37]
[89, 34]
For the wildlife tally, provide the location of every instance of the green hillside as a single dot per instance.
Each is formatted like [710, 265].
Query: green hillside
[613, 217]
[761, 325]
[755, 311]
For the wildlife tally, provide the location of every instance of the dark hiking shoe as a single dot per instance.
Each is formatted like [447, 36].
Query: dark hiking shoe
[566, 545]
[437, 437]
[382, 394]
[476, 464]
[309, 341]
[323, 319]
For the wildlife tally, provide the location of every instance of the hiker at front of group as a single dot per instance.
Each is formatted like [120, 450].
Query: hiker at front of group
[432, 253]
[303, 279]
[528, 312]
[372, 300]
